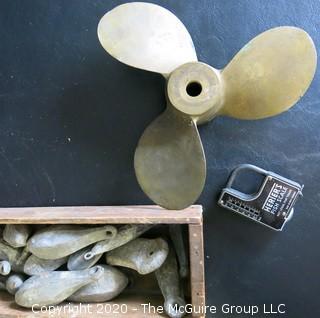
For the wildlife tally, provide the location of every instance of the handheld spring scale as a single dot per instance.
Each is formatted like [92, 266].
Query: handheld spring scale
[272, 205]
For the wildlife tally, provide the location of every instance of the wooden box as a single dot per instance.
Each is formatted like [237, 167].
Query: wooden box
[191, 217]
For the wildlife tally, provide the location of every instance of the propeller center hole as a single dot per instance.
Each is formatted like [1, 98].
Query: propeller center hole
[194, 89]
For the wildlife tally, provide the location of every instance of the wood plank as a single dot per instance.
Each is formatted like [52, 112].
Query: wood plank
[100, 215]
[197, 267]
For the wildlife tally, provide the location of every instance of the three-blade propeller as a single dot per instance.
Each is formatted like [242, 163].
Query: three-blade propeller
[266, 77]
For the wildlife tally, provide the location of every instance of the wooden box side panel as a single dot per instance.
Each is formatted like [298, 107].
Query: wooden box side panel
[197, 268]
[143, 214]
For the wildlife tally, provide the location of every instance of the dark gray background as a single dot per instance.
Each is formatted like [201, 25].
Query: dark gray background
[71, 116]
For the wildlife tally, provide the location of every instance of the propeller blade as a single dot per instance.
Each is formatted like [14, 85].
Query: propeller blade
[270, 74]
[146, 36]
[169, 161]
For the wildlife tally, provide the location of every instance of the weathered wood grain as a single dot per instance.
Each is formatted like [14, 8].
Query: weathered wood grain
[100, 214]
[197, 266]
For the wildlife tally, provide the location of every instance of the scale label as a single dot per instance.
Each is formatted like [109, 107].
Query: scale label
[276, 198]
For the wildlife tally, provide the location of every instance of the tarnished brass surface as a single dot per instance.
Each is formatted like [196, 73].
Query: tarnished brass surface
[146, 36]
[267, 76]
[201, 105]
[169, 160]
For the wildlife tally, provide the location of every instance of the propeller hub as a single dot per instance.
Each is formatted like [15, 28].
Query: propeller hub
[195, 89]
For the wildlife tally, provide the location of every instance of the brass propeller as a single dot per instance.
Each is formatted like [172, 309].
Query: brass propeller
[265, 78]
